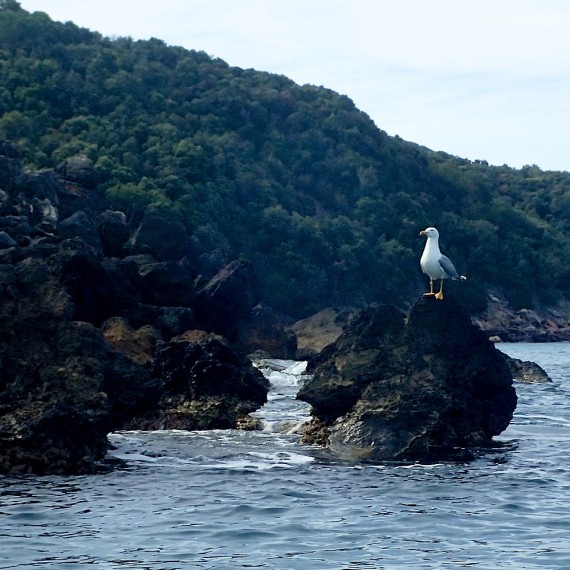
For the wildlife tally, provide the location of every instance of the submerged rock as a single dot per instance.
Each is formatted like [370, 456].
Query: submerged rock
[397, 388]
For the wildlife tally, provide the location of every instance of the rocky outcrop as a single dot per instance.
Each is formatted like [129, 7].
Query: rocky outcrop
[418, 387]
[504, 324]
[61, 388]
[88, 305]
[526, 371]
[205, 385]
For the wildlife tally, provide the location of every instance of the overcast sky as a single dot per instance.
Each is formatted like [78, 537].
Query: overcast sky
[480, 79]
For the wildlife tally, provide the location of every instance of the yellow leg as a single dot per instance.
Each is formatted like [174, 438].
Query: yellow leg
[439, 294]
[430, 288]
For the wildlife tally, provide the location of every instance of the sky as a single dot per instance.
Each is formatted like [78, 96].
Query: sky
[479, 79]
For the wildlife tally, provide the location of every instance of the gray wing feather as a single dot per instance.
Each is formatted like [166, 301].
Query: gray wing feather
[446, 264]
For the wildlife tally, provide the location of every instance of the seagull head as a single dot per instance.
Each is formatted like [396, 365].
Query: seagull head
[430, 233]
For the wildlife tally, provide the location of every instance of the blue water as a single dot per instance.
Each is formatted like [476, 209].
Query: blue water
[229, 499]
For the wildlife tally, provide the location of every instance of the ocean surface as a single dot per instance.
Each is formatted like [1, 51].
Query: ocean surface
[229, 499]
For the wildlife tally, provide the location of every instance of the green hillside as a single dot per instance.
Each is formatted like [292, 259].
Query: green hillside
[295, 178]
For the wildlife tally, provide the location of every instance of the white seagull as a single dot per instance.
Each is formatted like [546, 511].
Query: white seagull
[436, 265]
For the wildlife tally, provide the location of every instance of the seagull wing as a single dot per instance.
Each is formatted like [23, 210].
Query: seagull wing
[448, 268]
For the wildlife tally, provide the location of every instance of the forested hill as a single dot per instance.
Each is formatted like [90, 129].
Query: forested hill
[295, 178]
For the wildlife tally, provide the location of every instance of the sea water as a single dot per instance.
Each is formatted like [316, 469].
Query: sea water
[231, 499]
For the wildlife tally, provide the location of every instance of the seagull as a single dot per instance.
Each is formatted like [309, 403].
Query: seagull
[436, 265]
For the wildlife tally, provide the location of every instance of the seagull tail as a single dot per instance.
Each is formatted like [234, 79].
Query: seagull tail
[462, 278]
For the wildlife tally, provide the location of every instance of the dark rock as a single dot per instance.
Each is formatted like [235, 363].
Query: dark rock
[264, 331]
[211, 262]
[10, 166]
[113, 232]
[397, 389]
[82, 226]
[44, 215]
[89, 286]
[167, 283]
[504, 324]
[78, 187]
[169, 321]
[228, 297]
[129, 388]
[164, 238]
[125, 281]
[79, 169]
[205, 385]
[6, 241]
[61, 388]
[11, 255]
[41, 185]
[99, 288]
[64, 384]
[29, 216]
[6, 208]
[526, 371]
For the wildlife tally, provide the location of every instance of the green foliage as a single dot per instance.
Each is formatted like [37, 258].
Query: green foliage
[295, 178]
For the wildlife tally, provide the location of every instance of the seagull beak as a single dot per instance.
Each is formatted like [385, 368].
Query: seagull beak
[423, 233]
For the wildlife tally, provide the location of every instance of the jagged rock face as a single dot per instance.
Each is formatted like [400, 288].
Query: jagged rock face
[228, 297]
[264, 332]
[92, 288]
[392, 388]
[161, 237]
[165, 283]
[61, 389]
[205, 385]
[64, 382]
[80, 225]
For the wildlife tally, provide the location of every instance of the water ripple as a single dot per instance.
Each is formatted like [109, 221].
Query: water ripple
[226, 499]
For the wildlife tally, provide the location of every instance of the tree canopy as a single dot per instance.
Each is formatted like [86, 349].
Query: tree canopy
[293, 177]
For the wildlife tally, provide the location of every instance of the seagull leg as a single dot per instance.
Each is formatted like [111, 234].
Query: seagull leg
[439, 294]
[430, 288]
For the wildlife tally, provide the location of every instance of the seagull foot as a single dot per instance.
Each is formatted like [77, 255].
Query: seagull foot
[429, 294]
[439, 296]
